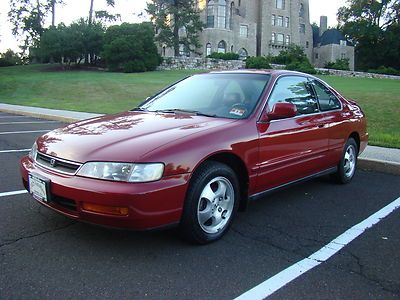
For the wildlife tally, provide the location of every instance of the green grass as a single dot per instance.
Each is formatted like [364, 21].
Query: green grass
[105, 92]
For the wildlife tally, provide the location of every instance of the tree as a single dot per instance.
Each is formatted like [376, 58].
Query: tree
[28, 16]
[130, 47]
[366, 22]
[177, 23]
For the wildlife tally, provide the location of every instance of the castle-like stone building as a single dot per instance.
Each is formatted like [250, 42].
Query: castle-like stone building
[265, 27]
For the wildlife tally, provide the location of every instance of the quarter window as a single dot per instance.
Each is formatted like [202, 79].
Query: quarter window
[296, 90]
[327, 100]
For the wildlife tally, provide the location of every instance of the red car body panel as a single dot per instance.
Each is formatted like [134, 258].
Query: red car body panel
[274, 153]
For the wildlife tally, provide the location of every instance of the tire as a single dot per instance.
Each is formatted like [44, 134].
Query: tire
[348, 163]
[211, 203]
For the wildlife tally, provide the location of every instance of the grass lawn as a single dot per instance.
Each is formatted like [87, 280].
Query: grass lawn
[105, 92]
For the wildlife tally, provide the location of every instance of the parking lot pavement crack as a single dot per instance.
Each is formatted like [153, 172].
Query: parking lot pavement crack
[10, 242]
[385, 285]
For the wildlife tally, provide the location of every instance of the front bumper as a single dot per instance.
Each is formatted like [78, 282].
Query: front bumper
[151, 205]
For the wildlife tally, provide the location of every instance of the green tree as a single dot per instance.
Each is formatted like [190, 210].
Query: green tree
[365, 22]
[177, 23]
[27, 18]
[130, 47]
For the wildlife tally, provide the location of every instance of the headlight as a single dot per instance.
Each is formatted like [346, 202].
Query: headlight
[122, 171]
[33, 152]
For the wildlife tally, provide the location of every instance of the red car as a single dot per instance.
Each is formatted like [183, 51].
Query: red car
[196, 152]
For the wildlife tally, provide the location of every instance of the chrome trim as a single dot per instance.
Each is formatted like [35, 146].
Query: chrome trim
[56, 159]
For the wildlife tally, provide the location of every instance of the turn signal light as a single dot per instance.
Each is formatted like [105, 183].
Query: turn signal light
[108, 210]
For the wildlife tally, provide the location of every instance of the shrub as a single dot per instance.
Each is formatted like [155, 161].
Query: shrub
[303, 66]
[340, 64]
[9, 58]
[134, 66]
[257, 62]
[224, 56]
[385, 70]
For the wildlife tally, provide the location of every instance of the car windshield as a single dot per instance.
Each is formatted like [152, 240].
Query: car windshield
[231, 96]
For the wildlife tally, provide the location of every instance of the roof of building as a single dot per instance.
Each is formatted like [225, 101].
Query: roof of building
[333, 36]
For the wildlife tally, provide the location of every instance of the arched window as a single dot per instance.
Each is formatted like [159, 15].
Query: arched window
[243, 53]
[208, 49]
[222, 47]
[232, 48]
[301, 12]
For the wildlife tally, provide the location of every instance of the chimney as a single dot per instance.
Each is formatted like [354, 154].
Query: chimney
[323, 25]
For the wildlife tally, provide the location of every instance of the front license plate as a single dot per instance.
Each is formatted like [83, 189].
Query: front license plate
[39, 187]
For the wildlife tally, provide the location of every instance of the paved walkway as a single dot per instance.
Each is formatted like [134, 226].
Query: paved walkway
[374, 158]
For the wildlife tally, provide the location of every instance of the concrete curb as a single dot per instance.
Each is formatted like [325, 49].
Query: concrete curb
[382, 166]
[363, 162]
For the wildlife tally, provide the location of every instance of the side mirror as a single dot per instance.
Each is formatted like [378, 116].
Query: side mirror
[281, 110]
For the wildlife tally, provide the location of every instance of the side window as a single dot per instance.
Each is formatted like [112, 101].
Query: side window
[295, 90]
[327, 100]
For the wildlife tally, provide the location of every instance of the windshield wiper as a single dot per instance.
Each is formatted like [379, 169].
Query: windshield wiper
[139, 109]
[194, 112]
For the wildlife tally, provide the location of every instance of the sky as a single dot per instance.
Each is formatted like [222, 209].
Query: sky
[130, 11]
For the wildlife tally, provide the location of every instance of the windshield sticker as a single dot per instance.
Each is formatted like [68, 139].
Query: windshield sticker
[237, 111]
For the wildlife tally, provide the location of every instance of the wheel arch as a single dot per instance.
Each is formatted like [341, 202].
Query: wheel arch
[356, 136]
[239, 167]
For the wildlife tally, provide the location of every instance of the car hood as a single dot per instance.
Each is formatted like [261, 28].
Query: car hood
[124, 137]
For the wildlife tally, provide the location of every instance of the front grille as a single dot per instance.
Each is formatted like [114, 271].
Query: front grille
[57, 164]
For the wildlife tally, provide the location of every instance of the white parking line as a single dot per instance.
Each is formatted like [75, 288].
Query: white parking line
[33, 122]
[12, 151]
[281, 279]
[29, 131]
[13, 193]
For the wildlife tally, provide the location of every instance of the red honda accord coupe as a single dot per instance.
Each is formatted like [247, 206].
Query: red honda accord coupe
[197, 151]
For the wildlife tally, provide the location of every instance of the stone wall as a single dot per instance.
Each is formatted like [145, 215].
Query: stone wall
[199, 63]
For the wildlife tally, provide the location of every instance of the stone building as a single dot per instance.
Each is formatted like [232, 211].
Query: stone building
[256, 27]
[330, 45]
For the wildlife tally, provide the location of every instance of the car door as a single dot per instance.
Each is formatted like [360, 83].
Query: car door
[292, 148]
[331, 108]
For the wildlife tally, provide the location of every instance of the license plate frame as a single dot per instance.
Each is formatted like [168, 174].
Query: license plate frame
[39, 188]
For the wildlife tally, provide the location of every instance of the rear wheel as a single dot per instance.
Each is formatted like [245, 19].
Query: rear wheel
[210, 204]
[348, 163]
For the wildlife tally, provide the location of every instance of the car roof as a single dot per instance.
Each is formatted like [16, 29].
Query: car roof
[272, 72]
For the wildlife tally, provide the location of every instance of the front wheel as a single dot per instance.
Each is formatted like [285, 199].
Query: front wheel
[348, 163]
[211, 203]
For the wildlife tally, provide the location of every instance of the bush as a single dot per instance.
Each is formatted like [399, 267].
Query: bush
[257, 62]
[385, 70]
[131, 48]
[224, 56]
[340, 64]
[303, 66]
[134, 66]
[9, 58]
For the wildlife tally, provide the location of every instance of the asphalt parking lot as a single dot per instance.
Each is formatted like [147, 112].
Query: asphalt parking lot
[44, 255]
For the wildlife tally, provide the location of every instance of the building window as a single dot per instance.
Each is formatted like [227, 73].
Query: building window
[287, 22]
[184, 51]
[301, 12]
[280, 4]
[343, 56]
[232, 49]
[307, 44]
[287, 41]
[163, 50]
[273, 38]
[302, 28]
[244, 30]
[240, 2]
[208, 49]
[316, 56]
[243, 53]
[221, 14]
[273, 20]
[343, 43]
[280, 21]
[279, 38]
[222, 47]
[216, 14]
